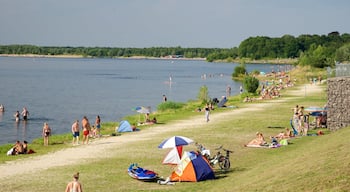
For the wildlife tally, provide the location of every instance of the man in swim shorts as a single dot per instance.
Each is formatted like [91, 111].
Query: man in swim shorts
[75, 132]
[86, 129]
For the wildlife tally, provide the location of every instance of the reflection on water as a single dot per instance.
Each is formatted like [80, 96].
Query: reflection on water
[20, 129]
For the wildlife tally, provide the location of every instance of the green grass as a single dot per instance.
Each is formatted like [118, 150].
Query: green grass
[313, 163]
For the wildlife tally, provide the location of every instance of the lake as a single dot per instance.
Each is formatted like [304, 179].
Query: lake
[60, 90]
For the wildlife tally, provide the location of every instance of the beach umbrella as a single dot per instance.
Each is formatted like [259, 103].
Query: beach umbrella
[175, 141]
[142, 110]
[315, 111]
[315, 108]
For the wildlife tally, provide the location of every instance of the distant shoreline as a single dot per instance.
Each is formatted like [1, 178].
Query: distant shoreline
[262, 61]
[81, 56]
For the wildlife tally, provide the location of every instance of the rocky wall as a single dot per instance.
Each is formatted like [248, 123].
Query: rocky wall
[338, 105]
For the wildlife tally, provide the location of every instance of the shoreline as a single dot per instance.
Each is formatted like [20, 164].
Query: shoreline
[262, 61]
[70, 155]
[81, 56]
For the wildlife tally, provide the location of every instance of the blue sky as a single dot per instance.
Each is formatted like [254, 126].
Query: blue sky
[153, 23]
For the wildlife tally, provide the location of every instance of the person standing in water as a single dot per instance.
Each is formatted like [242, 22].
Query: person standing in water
[25, 114]
[17, 115]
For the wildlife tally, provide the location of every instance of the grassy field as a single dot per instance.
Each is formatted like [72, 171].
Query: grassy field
[310, 163]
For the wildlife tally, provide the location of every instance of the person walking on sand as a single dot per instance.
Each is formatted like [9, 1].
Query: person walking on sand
[46, 133]
[75, 132]
[207, 111]
[86, 129]
[75, 185]
[98, 125]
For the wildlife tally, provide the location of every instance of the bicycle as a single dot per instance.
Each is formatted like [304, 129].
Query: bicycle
[219, 158]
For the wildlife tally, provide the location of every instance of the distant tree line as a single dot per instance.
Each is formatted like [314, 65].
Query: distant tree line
[315, 50]
[110, 52]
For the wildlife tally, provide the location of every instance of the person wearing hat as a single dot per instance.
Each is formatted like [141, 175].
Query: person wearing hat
[75, 185]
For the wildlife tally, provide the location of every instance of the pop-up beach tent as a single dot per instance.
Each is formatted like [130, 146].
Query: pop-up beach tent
[192, 167]
[124, 126]
[222, 102]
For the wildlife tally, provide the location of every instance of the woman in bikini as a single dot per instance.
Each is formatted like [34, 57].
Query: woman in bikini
[258, 141]
[75, 185]
[98, 125]
[46, 133]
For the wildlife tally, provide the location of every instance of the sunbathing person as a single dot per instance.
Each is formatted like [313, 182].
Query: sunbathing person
[259, 140]
[284, 135]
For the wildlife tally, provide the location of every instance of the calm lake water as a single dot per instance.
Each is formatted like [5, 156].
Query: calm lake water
[60, 90]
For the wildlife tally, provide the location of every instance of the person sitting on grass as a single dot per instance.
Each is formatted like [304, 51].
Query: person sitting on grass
[285, 135]
[259, 140]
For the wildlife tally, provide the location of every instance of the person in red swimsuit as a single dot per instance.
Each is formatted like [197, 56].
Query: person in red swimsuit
[86, 129]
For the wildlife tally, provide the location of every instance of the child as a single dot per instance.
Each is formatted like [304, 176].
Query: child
[93, 132]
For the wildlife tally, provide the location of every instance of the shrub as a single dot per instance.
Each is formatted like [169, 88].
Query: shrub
[239, 71]
[250, 84]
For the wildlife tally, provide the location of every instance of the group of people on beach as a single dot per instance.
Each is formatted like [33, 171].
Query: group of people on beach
[87, 130]
[275, 141]
[299, 123]
[300, 120]
[20, 148]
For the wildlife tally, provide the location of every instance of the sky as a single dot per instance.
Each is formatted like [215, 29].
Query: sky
[165, 23]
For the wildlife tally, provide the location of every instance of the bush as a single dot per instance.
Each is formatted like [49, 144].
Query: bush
[250, 84]
[239, 71]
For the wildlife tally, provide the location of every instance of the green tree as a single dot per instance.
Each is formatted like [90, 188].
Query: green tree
[316, 56]
[239, 70]
[343, 53]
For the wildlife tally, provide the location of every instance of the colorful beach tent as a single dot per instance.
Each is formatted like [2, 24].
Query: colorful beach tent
[124, 126]
[192, 167]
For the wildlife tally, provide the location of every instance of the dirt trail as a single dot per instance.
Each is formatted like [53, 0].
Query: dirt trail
[103, 146]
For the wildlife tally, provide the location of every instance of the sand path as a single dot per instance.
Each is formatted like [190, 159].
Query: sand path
[103, 146]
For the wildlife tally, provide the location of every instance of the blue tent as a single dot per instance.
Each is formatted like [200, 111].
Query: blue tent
[192, 167]
[124, 126]
[222, 102]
